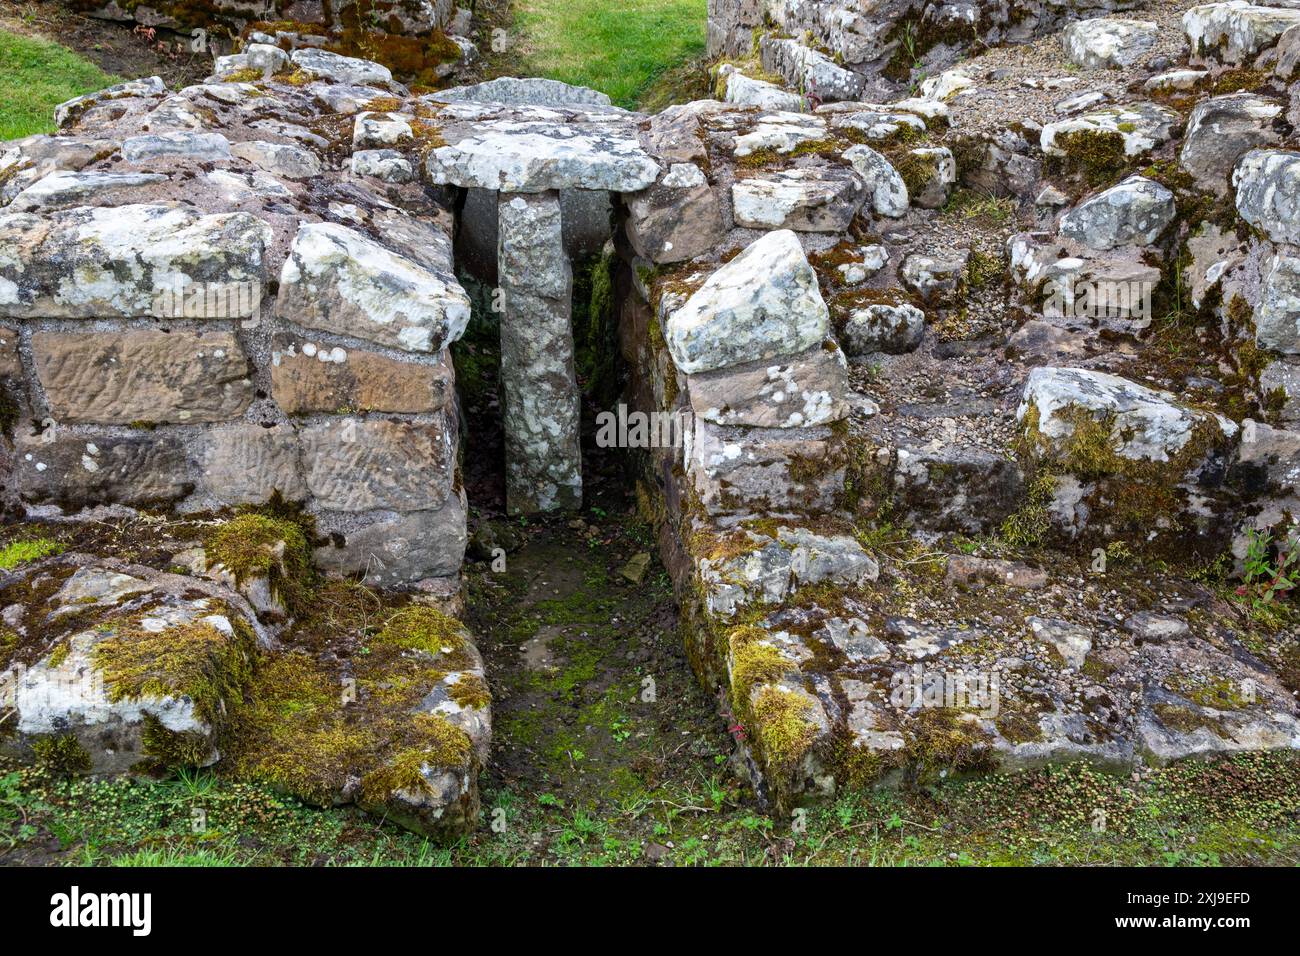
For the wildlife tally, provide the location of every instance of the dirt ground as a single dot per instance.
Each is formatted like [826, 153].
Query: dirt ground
[114, 47]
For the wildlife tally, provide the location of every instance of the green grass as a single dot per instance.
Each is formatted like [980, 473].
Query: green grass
[36, 76]
[619, 47]
[1236, 811]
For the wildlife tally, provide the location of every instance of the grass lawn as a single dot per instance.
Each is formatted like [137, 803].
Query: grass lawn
[36, 76]
[616, 46]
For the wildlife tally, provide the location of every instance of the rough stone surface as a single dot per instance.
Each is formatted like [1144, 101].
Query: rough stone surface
[885, 186]
[677, 218]
[747, 91]
[1220, 130]
[1135, 211]
[513, 156]
[137, 377]
[1141, 126]
[342, 69]
[1277, 320]
[1144, 424]
[68, 693]
[805, 200]
[249, 464]
[805, 389]
[1268, 192]
[66, 188]
[763, 304]
[94, 263]
[402, 549]
[541, 419]
[523, 91]
[66, 469]
[309, 376]
[1232, 32]
[339, 280]
[1102, 43]
[354, 464]
[883, 327]
[208, 147]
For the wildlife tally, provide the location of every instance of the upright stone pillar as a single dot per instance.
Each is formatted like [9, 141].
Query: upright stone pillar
[543, 455]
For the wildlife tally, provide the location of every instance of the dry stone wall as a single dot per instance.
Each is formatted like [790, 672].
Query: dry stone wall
[203, 307]
[849, 50]
[902, 565]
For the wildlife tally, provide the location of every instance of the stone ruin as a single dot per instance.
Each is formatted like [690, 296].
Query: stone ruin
[424, 41]
[940, 364]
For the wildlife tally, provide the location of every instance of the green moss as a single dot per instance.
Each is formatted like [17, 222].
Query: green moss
[255, 545]
[470, 690]
[319, 716]
[383, 104]
[26, 550]
[194, 660]
[169, 749]
[753, 661]
[1090, 450]
[413, 58]
[1018, 727]
[438, 745]
[940, 740]
[917, 170]
[1186, 720]
[295, 78]
[1097, 155]
[247, 75]
[1239, 81]
[595, 323]
[782, 729]
[1217, 692]
[423, 628]
[293, 734]
[914, 36]
[971, 205]
[984, 270]
[59, 654]
[61, 755]
[1031, 522]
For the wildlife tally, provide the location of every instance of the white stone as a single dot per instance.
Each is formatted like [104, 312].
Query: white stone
[747, 91]
[1145, 424]
[63, 188]
[1235, 31]
[210, 147]
[528, 157]
[100, 262]
[884, 184]
[1268, 192]
[1135, 211]
[340, 69]
[338, 280]
[1144, 126]
[1108, 44]
[763, 304]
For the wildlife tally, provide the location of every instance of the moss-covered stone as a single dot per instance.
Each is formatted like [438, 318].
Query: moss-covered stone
[61, 755]
[256, 545]
[1097, 155]
[781, 729]
[197, 660]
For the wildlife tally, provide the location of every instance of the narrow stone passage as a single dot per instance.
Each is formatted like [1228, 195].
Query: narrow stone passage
[598, 716]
